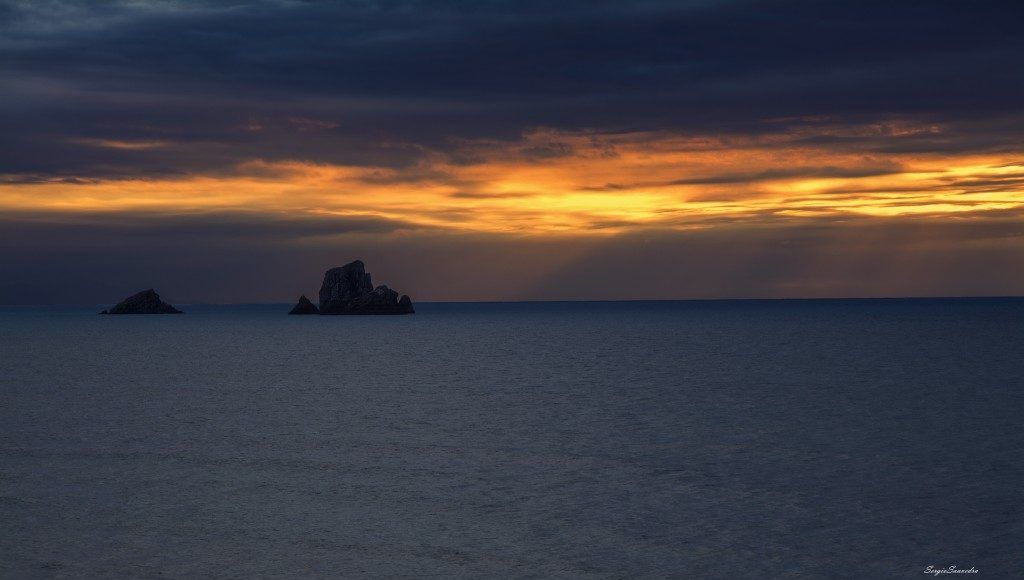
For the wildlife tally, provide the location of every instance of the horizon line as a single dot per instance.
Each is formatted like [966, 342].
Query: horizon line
[584, 301]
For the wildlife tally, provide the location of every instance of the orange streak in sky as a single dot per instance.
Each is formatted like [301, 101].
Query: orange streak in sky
[574, 183]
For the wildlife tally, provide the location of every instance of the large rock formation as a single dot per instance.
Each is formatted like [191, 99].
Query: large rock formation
[145, 302]
[305, 307]
[348, 290]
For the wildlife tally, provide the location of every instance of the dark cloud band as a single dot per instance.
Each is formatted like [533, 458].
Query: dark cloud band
[372, 83]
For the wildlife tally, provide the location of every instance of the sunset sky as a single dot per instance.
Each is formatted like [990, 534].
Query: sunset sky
[232, 151]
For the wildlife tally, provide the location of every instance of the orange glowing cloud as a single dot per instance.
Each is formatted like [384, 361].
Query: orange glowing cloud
[576, 183]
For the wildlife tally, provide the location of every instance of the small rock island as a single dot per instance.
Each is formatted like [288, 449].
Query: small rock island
[305, 307]
[145, 302]
[349, 290]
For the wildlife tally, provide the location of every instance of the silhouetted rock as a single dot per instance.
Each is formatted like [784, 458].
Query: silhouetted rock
[305, 307]
[349, 290]
[405, 304]
[344, 283]
[145, 302]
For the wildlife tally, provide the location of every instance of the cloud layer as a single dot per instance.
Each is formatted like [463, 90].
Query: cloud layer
[438, 128]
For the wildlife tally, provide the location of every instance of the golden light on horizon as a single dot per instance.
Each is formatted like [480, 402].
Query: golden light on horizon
[579, 184]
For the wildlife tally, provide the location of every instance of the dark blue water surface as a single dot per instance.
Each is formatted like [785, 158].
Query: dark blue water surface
[822, 439]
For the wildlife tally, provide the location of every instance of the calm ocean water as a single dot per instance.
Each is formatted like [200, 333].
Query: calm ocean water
[822, 439]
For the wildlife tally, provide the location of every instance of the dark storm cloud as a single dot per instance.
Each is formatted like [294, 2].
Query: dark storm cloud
[374, 82]
[785, 174]
[869, 170]
[16, 227]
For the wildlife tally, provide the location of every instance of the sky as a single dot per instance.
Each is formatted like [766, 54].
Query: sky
[230, 152]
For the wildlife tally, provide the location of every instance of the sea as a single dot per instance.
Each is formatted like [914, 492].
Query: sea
[692, 439]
